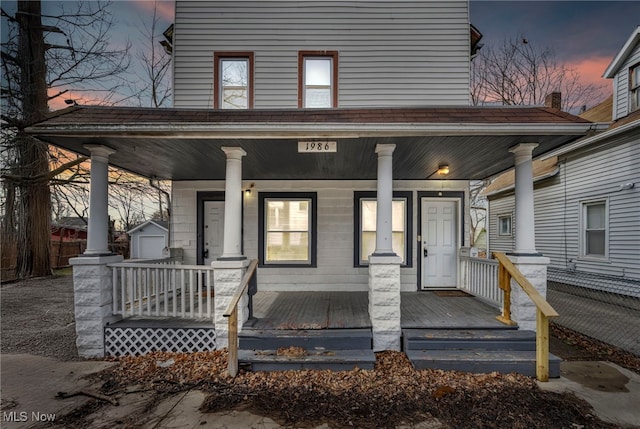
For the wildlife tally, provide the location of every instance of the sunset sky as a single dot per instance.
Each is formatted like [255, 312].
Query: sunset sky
[584, 34]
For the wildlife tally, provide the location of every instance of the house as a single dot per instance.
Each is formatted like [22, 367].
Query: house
[149, 239]
[69, 229]
[333, 142]
[587, 193]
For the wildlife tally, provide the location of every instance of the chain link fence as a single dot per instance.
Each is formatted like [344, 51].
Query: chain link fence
[606, 308]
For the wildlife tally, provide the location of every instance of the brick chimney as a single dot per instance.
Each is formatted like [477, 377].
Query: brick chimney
[554, 100]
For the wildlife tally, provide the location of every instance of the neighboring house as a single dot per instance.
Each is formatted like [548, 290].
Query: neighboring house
[149, 239]
[587, 194]
[332, 141]
[69, 229]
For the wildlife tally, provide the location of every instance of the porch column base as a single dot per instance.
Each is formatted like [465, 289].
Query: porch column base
[523, 310]
[226, 278]
[93, 301]
[384, 302]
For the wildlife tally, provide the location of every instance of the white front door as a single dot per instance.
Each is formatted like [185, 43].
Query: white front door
[439, 243]
[213, 230]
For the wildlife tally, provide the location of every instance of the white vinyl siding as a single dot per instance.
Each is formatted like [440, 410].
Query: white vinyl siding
[622, 102]
[335, 269]
[588, 175]
[401, 53]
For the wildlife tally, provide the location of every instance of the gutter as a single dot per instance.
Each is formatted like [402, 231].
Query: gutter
[591, 140]
[298, 130]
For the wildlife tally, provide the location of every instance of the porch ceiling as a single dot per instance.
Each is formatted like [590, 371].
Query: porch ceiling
[183, 144]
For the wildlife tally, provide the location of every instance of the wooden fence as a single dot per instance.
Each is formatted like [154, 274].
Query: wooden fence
[61, 252]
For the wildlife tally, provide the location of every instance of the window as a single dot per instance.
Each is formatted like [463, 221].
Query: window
[233, 76]
[365, 226]
[287, 229]
[504, 225]
[634, 86]
[594, 227]
[317, 79]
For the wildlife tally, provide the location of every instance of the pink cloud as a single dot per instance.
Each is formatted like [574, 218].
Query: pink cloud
[591, 70]
[165, 8]
[80, 97]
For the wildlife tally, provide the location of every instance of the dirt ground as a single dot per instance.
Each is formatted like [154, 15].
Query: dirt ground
[37, 318]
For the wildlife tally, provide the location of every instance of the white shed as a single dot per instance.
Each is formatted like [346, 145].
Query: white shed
[149, 239]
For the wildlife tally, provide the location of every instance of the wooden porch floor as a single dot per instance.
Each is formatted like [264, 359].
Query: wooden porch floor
[335, 310]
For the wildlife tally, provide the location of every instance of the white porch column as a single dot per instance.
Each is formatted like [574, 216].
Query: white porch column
[525, 228]
[384, 264]
[525, 257]
[232, 264]
[384, 227]
[233, 205]
[98, 230]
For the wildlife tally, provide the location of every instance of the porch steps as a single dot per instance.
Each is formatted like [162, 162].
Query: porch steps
[335, 349]
[475, 350]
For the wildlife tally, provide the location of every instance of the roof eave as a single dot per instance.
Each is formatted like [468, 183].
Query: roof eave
[298, 130]
[623, 54]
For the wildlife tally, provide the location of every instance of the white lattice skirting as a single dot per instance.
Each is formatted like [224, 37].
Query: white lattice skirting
[139, 341]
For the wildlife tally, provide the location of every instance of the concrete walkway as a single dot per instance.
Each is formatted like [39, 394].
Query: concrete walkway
[29, 385]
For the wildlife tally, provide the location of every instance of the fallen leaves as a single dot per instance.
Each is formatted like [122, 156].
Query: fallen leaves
[391, 393]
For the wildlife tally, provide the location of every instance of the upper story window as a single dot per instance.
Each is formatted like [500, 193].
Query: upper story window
[634, 86]
[317, 79]
[233, 76]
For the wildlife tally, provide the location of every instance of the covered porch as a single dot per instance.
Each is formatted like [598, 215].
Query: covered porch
[386, 147]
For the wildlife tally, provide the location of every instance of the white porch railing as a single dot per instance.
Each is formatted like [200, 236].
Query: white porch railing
[162, 289]
[481, 279]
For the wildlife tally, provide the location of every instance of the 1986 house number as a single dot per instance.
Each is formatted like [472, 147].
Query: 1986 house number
[317, 147]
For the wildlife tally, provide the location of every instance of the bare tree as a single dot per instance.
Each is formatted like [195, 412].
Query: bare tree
[478, 209]
[156, 65]
[520, 73]
[44, 57]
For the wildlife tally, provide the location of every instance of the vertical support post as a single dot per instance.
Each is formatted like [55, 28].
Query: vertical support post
[384, 264]
[384, 210]
[232, 358]
[504, 283]
[232, 248]
[525, 239]
[98, 228]
[542, 346]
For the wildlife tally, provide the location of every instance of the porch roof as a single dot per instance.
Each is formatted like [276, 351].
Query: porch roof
[184, 144]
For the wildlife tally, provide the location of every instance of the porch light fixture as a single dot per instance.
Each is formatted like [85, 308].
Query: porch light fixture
[247, 191]
[443, 169]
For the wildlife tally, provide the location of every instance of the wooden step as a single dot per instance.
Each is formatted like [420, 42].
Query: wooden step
[468, 339]
[336, 360]
[482, 361]
[322, 339]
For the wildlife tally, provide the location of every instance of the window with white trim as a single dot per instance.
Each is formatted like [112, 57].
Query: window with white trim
[594, 229]
[317, 79]
[365, 222]
[233, 73]
[634, 86]
[504, 225]
[287, 233]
